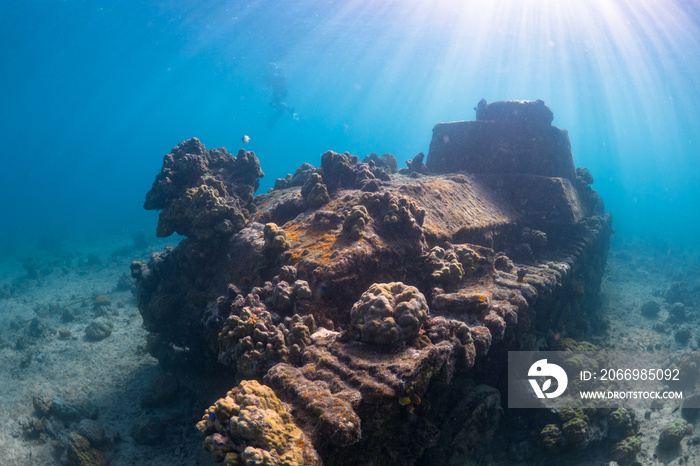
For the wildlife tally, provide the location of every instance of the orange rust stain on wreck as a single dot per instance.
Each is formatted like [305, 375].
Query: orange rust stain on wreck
[311, 244]
[292, 234]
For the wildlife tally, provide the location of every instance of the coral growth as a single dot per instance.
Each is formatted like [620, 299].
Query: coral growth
[250, 426]
[627, 448]
[673, 433]
[389, 313]
[298, 179]
[275, 239]
[253, 340]
[314, 191]
[386, 162]
[449, 266]
[203, 192]
[355, 223]
[377, 304]
[396, 213]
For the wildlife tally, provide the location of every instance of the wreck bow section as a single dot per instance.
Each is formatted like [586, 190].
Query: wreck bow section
[351, 298]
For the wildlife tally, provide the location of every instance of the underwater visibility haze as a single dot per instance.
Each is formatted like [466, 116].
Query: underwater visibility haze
[94, 93]
[114, 342]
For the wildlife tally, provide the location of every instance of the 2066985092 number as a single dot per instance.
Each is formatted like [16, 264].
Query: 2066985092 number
[640, 374]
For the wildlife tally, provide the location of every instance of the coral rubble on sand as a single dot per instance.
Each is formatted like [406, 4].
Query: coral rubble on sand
[350, 299]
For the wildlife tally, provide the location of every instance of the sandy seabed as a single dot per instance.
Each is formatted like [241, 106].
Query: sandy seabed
[47, 302]
[147, 415]
[638, 272]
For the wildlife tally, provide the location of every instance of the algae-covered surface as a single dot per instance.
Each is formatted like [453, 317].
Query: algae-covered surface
[348, 310]
[109, 378]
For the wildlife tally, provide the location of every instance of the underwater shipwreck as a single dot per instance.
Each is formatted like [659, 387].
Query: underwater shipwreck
[367, 310]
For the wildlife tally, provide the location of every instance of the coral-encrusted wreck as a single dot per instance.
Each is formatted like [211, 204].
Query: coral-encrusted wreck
[367, 304]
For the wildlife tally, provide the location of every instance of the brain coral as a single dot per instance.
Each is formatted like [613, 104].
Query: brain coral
[388, 313]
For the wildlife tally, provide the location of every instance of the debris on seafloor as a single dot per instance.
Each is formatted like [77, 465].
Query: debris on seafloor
[358, 304]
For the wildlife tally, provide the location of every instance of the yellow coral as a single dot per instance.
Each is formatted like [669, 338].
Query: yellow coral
[253, 417]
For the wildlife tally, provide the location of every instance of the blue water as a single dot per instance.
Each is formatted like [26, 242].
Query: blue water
[94, 93]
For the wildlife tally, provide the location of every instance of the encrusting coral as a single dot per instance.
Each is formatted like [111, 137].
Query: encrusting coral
[353, 302]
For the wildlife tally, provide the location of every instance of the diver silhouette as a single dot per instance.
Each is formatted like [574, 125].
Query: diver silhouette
[276, 78]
